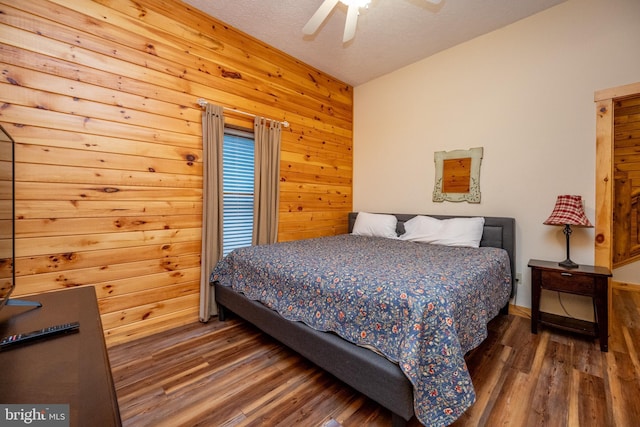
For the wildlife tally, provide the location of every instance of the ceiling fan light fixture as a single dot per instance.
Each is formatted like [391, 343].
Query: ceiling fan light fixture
[357, 3]
[325, 9]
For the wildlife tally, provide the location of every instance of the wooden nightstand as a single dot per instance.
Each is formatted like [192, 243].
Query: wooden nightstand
[585, 280]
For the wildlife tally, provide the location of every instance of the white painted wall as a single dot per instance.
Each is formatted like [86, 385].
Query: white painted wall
[524, 93]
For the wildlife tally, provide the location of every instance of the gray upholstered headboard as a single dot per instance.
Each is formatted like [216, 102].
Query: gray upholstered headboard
[499, 232]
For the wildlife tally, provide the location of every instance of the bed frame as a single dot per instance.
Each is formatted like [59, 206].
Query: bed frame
[364, 370]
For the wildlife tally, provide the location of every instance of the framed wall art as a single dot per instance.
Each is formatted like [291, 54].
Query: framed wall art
[458, 175]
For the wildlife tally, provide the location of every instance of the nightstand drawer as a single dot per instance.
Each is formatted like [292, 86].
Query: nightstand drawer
[567, 282]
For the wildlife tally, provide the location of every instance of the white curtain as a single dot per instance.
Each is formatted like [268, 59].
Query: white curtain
[212, 196]
[267, 177]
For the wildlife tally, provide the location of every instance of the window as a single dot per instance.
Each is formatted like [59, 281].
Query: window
[237, 165]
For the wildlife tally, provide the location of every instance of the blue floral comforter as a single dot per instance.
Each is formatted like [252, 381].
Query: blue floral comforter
[422, 306]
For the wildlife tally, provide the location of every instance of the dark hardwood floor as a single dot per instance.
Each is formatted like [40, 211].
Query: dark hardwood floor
[230, 374]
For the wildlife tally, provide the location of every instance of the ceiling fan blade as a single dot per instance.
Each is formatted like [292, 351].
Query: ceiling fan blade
[350, 25]
[318, 18]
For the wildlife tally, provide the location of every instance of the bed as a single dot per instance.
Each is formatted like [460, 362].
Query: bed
[401, 344]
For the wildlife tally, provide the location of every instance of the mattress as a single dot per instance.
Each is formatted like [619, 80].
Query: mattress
[422, 306]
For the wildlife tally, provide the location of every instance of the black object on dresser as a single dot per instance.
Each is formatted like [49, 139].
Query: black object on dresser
[71, 368]
[584, 280]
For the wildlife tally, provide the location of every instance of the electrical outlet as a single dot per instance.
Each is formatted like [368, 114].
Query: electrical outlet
[516, 287]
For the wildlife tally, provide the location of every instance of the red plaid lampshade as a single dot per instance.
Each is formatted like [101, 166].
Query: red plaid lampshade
[568, 210]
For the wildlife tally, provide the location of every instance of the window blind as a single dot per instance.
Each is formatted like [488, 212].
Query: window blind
[238, 161]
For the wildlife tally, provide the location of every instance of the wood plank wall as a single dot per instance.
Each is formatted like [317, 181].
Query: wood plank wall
[626, 159]
[101, 99]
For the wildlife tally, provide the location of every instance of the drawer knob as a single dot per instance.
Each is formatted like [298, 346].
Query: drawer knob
[566, 274]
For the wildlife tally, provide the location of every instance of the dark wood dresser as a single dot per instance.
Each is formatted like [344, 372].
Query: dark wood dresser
[68, 369]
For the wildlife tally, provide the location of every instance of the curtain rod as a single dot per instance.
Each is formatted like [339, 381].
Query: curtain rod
[203, 103]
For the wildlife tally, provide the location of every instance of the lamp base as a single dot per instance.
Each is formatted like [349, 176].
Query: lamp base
[567, 263]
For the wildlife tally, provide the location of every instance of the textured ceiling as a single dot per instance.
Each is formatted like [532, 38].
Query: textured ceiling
[390, 33]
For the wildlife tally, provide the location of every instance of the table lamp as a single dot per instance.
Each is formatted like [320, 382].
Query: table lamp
[568, 211]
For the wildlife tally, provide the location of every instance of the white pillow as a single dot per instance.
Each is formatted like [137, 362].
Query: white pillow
[421, 228]
[376, 225]
[449, 232]
[461, 232]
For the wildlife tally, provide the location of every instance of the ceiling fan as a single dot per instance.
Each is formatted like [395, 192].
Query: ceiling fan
[352, 16]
